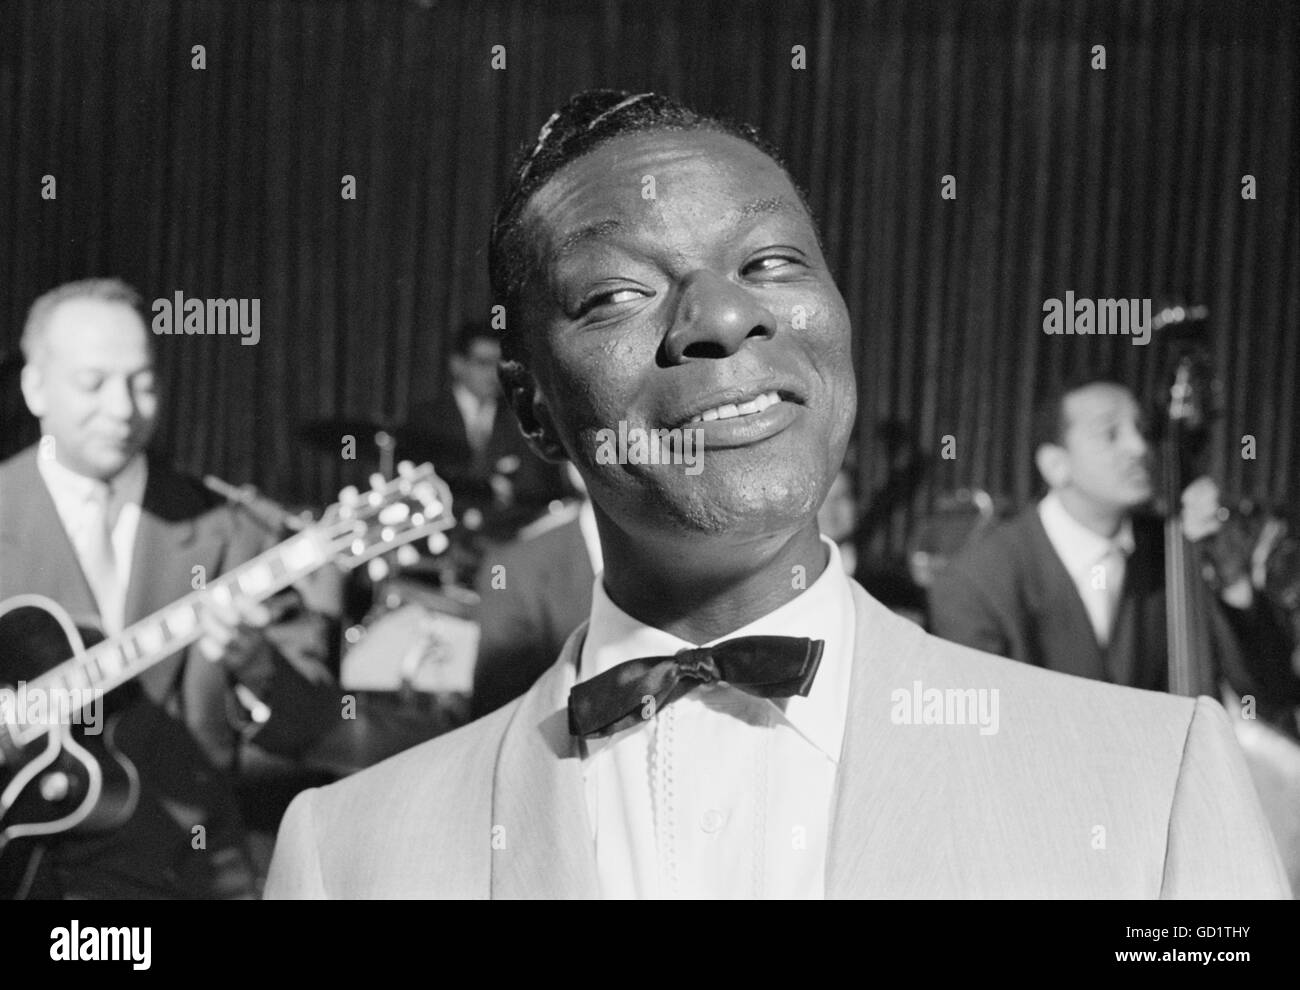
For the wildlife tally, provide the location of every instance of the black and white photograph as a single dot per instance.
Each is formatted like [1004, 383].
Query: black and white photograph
[698, 450]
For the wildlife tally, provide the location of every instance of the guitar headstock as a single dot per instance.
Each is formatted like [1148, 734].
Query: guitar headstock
[394, 512]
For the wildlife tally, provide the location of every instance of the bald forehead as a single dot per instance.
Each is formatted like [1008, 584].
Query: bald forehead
[81, 331]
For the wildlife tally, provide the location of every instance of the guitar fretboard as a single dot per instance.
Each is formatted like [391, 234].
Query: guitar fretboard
[141, 645]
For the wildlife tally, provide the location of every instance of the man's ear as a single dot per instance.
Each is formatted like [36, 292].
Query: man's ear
[34, 390]
[1053, 464]
[530, 409]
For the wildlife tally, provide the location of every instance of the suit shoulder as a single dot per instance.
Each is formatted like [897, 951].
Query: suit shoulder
[437, 770]
[416, 825]
[544, 542]
[1009, 537]
[18, 468]
[994, 561]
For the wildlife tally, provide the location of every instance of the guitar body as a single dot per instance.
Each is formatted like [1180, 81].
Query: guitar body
[71, 710]
[72, 779]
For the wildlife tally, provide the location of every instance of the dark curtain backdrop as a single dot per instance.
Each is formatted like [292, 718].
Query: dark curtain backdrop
[225, 182]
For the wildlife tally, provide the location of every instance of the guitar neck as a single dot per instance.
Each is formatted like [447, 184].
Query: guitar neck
[115, 661]
[355, 530]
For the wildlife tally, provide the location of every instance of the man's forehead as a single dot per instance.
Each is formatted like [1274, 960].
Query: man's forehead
[85, 330]
[627, 184]
[1101, 401]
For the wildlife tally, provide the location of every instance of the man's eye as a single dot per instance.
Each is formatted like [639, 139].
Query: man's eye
[610, 297]
[772, 263]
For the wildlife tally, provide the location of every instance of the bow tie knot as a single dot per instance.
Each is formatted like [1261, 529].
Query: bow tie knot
[697, 664]
[628, 693]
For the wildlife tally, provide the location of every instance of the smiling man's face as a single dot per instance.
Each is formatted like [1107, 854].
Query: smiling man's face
[692, 308]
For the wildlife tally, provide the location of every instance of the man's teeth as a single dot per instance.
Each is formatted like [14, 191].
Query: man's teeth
[731, 409]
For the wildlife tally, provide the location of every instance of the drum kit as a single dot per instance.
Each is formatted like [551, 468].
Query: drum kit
[409, 632]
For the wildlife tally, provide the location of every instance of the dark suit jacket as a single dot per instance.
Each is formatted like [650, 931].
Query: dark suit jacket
[1009, 594]
[437, 433]
[182, 526]
[533, 594]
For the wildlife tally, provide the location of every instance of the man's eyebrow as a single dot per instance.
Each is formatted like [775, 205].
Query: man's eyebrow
[760, 207]
[587, 232]
[601, 228]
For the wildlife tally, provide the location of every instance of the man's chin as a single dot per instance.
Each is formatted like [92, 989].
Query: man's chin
[1136, 496]
[109, 462]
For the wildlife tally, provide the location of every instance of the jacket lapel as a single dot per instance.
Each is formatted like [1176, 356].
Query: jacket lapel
[872, 782]
[37, 557]
[541, 835]
[1063, 626]
[161, 565]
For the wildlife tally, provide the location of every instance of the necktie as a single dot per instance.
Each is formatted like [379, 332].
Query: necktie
[99, 559]
[1112, 565]
[764, 666]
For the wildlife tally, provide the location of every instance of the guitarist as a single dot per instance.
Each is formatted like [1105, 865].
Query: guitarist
[88, 519]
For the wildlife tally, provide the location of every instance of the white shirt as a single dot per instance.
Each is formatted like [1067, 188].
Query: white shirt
[721, 794]
[1095, 564]
[478, 417]
[74, 496]
[591, 537]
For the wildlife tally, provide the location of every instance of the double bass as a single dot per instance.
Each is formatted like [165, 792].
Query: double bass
[1272, 748]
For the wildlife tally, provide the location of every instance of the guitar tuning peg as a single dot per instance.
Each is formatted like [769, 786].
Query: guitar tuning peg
[377, 569]
[438, 543]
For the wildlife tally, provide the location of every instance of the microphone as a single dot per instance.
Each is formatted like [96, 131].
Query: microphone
[269, 513]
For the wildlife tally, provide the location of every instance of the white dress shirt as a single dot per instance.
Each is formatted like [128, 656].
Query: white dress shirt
[1095, 564]
[75, 499]
[721, 794]
[478, 416]
[591, 537]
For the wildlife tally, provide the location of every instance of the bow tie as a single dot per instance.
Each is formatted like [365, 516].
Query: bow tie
[631, 692]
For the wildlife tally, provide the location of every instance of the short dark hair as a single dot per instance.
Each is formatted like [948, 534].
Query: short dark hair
[586, 121]
[1049, 424]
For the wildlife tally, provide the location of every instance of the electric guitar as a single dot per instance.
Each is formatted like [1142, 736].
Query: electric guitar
[60, 770]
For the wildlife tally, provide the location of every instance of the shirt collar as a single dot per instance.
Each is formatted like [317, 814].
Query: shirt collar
[823, 611]
[72, 489]
[591, 537]
[1079, 547]
[468, 401]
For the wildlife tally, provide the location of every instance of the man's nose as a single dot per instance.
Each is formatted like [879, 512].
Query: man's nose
[1135, 442]
[714, 317]
[116, 399]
